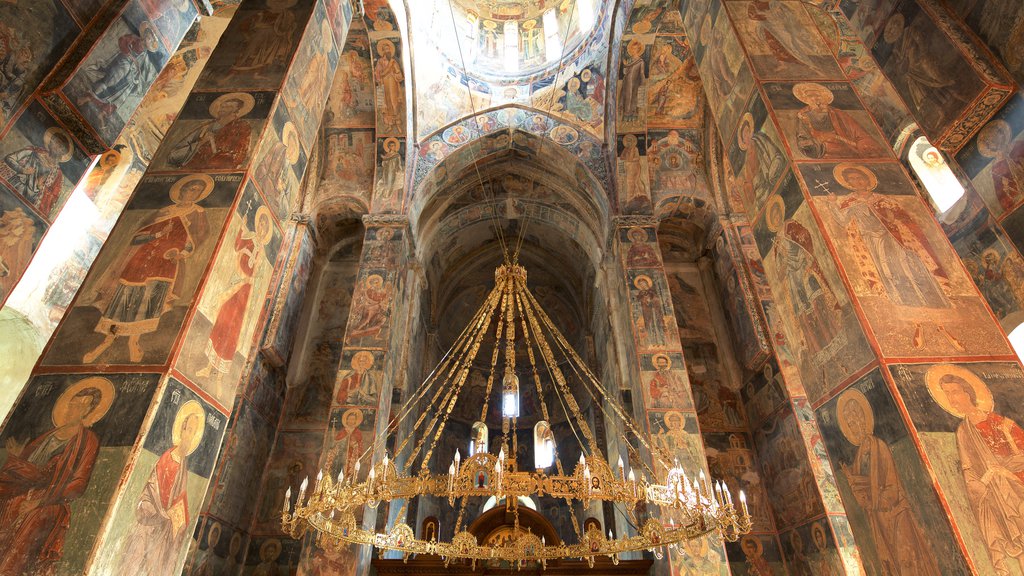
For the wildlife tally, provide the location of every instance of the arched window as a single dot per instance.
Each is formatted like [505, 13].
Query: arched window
[931, 169]
[1016, 337]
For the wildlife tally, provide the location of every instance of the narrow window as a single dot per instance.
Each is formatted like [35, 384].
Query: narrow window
[938, 180]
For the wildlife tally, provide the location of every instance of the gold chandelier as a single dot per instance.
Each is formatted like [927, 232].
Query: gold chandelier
[663, 509]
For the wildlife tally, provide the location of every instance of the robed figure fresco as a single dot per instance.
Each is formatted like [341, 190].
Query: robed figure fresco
[633, 77]
[827, 132]
[389, 76]
[991, 448]
[221, 143]
[268, 38]
[349, 440]
[41, 479]
[35, 173]
[763, 161]
[995, 141]
[899, 540]
[234, 305]
[125, 75]
[147, 280]
[161, 514]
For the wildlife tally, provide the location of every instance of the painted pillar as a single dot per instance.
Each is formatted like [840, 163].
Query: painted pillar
[373, 349]
[140, 375]
[656, 349]
[885, 325]
[100, 83]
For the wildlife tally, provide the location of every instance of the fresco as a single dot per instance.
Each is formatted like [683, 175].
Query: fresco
[926, 67]
[737, 297]
[156, 257]
[634, 177]
[781, 41]
[893, 510]
[280, 164]
[968, 420]
[269, 31]
[351, 99]
[1001, 26]
[214, 131]
[350, 433]
[728, 80]
[236, 487]
[218, 552]
[754, 555]
[916, 298]
[222, 332]
[42, 163]
[279, 336]
[756, 158]
[787, 472]
[994, 157]
[867, 17]
[676, 159]
[45, 29]
[811, 551]
[676, 437]
[389, 185]
[98, 417]
[817, 316]
[109, 84]
[824, 121]
[731, 458]
[389, 82]
[305, 90]
[157, 509]
[21, 229]
[295, 458]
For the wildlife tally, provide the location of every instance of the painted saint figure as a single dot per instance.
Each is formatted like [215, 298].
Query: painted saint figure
[34, 172]
[1007, 168]
[369, 309]
[666, 387]
[268, 38]
[147, 281]
[233, 309]
[825, 132]
[632, 80]
[349, 440]
[125, 76]
[991, 448]
[651, 317]
[392, 174]
[359, 386]
[763, 162]
[877, 488]
[218, 144]
[41, 479]
[640, 254]
[634, 176]
[389, 76]
[161, 514]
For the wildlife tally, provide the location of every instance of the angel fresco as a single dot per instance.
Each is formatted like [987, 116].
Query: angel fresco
[991, 448]
[878, 490]
[221, 143]
[41, 479]
[147, 281]
[161, 514]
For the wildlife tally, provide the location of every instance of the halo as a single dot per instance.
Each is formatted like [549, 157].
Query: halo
[356, 411]
[987, 251]
[52, 133]
[857, 397]
[748, 118]
[390, 141]
[804, 90]
[215, 527]
[775, 214]
[629, 139]
[893, 28]
[586, 75]
[636, 281]
[292, 150]
[840, 170]
[757, 544]
[995, 128]
[665, 356]
[674, 414]
[263, 213]
[187, 409]
[360, 356]
[207, 181]
[529, 24]
[934, 376]
[637, 234]
[818, 530]
[374, 278]
[265, 548]
[248, 103]
[155, 43]
[107, 394]
[385, 44]
[634, 48]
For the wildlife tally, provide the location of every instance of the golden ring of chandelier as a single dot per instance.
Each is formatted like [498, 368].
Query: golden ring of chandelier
[695, 507]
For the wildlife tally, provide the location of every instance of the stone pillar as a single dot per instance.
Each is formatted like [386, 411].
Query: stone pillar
[143, 370]
[373, 350]
[658, 355]
[885, 325]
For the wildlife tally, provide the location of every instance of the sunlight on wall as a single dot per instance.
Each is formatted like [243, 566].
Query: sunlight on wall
[1017, 340]
[939, 181]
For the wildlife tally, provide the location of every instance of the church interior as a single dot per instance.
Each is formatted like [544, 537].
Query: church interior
[661, 287]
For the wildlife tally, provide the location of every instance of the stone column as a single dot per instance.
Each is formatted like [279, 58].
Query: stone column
[373, 350]
[885, 325]
[143, 370]
[658, 356]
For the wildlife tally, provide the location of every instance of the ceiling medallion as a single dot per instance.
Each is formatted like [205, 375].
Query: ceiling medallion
[663, 510]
